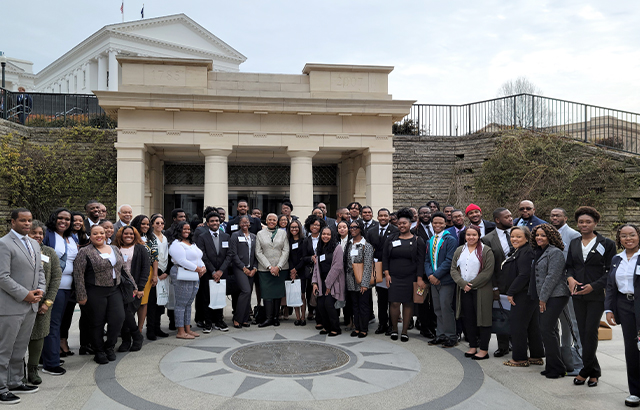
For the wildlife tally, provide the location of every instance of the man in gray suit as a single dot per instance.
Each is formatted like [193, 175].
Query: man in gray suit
[125, 215]
[22, 286]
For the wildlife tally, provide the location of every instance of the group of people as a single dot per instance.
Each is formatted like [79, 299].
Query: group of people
[429, 270]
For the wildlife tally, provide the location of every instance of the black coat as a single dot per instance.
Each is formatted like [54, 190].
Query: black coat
[296, 260]
[612, 294]
[254, 227]
[488, 228]
[215, 259]
[517, 271]
[140, 265]
[373, 237]
[420, 231]
[372, 225]
[307, 253]
[595, 269]
[239, 253]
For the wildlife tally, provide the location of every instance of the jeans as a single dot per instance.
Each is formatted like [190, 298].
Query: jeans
[51, 347]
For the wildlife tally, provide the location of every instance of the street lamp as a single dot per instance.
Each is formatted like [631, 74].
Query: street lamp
[3, 62]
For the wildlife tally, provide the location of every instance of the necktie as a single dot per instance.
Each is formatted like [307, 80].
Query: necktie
[433, 249]
[381, 231]
[31, 254]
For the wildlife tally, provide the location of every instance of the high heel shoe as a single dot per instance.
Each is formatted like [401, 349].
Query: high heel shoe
[593, 382]
[579, 382]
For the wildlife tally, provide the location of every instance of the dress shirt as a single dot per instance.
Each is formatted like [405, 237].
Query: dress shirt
[625, 272]
[314, 242]
[427, 228]
[586, 249]
[24, 240]
[469, 264]
[383, 229]
[215, 235]
[163, 253]
[481, 226]
[502, 235]
[367, 224]
[343, 242]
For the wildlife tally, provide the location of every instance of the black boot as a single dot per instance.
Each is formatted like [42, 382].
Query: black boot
[137, 341]
[126, 342]
[160, 333]
[268, 308]
[276, 309]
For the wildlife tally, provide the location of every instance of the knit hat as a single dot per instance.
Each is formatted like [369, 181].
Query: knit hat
[472, 207]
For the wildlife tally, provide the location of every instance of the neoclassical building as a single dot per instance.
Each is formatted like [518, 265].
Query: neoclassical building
[190, 136]
[92, 64]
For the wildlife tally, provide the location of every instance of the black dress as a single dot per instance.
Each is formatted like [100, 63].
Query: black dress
[296, 261]
[403, 270]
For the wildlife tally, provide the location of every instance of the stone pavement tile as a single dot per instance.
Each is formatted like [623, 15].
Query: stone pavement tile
[494, 396]
[278, 389]
[99, 400]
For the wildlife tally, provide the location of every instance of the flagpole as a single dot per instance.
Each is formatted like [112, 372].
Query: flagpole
[122, 10]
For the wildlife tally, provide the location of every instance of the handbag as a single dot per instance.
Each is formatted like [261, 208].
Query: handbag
[377, 273]
[358, 271]
[417, 298]
[293, 290]
[187, 275]
[217, 294]
[313, 300]
[162, 292]
[500, 324]
[126, 288]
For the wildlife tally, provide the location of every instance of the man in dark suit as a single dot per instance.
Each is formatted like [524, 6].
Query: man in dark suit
[367, 218]
[331, 223]
[22, 285]
[423, 228]
[427, 319]
[214, 246]
[354, 211]
[125, 215]
[474, 214]
[500, 243]
[528, 216]
[92, 209]
[377, 238]
[457, 218]
[243, 209]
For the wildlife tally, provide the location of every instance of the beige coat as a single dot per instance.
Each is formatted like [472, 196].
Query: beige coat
[482, 283]
[272, 253]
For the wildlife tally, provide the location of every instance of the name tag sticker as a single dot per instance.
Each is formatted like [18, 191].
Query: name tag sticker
[294, 246]
[234, 227]
[637, 269]
[600, 249]
[225, 245]
[375, 260]
[354, 252]
[396, 243]
[44, 258]
[125, 257]
[322, 258]
[104, 255]
[242, 239]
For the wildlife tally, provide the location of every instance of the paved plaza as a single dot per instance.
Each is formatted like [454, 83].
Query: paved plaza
[289, 367]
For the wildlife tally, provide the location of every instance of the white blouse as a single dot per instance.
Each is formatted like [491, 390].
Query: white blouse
[72, 250]
[189, 257]
[587, 249]
[163, 253]
[469, 264]
[625, 272]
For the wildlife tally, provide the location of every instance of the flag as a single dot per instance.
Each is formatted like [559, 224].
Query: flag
[122, 7]
[142, 12]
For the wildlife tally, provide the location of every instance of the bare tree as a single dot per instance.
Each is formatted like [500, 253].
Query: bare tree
[517, 106]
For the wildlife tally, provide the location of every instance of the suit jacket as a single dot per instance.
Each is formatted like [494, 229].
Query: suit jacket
[239, 254]
[533, 222]
[372, 224]
[87, 226]
[373, 237]
[488, 228]
[550, 279]
[116, 227]
[331, 223]
[215, 259]
[19, 275]
[516, 271]
[420, 231]
[140, 265]
[595, 270]
[272, 252]
[446, 248]
[611, 300]
[234, 226]
[492, 240]
[452, 230]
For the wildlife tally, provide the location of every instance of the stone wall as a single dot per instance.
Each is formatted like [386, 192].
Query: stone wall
[444, 168]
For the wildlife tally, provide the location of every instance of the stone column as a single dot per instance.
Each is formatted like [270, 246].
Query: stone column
[131, 176]
[113, 71]
[379, 170]
[301, 182]
[216, 181]
[85, 78]
[102, 72]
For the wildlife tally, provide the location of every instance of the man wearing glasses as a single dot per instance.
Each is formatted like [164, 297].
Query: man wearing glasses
[527, 216]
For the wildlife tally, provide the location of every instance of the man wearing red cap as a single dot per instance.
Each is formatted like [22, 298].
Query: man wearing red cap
[474, 214]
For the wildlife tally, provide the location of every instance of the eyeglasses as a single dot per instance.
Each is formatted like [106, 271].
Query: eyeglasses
[526, 208]
[628, 236]
[354, 227]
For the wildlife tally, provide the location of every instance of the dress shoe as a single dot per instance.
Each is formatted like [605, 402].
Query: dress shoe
[151, 335]
[276, 322]
[436, 341]
[354, 334]
[160, 333]
[303, 323]
[86, 350]
[592, 382]
[500, 352]
[323, 332]
[63, 353]
[9, 398]
[485, 357]
[296, 322]
[380, 330]
[101, 358]
[388, 332]
[362, 335]
[579, 382]
[469, 354]
[125, 346]
[334, 334]
[553, 375]
[172, 325]
[137, 341]
[237, 325]
[450, 343]
[632, 401]
[246, 325]
[111, 355]
[428, 334]
[200, 324]
[268, 322]
[411, 324]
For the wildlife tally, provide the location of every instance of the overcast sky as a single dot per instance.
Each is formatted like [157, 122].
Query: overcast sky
[454, 52]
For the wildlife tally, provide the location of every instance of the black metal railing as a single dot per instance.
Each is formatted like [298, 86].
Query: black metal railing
[53, 110]
[589, 123]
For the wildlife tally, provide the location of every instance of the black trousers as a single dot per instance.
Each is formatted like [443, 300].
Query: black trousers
[588, 315]
[525, 328]
[203, 313]
[327, 314]
[627, 318]
[347, 311]
[383, 307]
[361, 303]
[550, 337]
[106, 307]
[153, 318]
[469, 304]
[426, 315]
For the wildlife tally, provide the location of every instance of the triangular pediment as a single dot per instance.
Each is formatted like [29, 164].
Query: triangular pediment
[178, 30]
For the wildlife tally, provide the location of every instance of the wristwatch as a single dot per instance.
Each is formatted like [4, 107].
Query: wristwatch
[48, 302]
